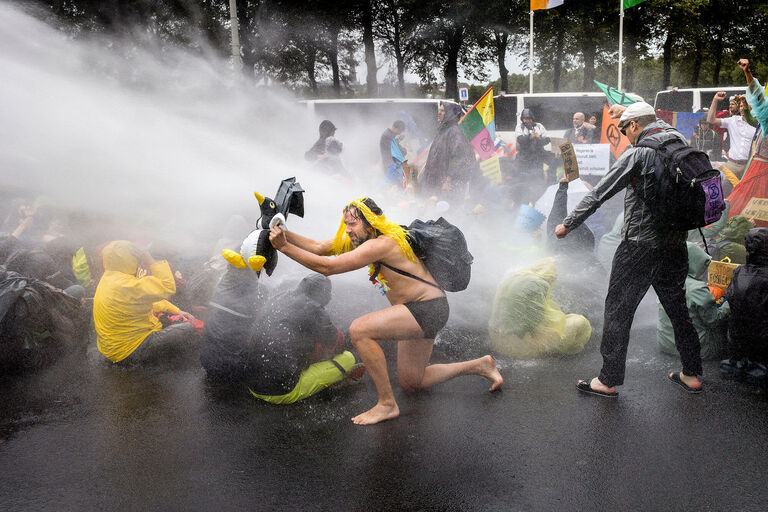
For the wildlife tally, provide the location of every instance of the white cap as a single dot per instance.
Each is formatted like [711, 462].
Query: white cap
[635, 110]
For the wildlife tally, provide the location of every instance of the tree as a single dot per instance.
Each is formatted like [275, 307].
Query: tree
[398, 24]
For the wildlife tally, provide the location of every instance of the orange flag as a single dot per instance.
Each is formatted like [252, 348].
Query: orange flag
[610, 134]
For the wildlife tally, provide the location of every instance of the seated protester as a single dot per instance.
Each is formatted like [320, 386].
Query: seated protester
[230, 324]
[583, 239]
[202, 282]
[729, 243]
[124, 306]
[292, 333]
[50, 262]
[748, 298]
[526, 323]
[709, 319]
[37, 322]
[318, 149]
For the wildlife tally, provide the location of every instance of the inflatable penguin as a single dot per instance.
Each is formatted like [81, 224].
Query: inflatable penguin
[256, 251]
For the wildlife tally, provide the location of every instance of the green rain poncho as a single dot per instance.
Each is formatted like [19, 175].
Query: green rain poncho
[732, 239]
[526, 323]
[709, 320]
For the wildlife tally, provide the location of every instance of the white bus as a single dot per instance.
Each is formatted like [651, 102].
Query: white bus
[693, 100]
[553, 109]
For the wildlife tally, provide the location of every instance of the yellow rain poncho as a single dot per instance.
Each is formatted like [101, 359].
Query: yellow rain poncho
[526, 323]
[124, 305]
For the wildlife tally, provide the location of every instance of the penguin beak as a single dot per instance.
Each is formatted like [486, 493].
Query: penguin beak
[259, 198]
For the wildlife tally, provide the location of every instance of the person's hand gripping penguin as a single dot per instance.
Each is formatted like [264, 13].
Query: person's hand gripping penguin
[257, 252]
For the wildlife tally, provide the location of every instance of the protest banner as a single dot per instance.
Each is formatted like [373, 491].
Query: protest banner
[610, 134]
[756, 209]
[594, 159]
[570, 164]
[720, 273]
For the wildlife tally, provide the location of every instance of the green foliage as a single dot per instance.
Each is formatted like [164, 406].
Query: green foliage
[314, 46]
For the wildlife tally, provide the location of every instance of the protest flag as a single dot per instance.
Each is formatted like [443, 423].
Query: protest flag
[547, 4]
[479, 128]
[615, 96]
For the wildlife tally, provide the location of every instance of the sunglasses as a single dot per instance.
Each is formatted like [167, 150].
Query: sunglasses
[623, 129]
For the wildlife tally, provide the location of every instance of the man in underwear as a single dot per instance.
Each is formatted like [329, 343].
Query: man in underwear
[419, 308]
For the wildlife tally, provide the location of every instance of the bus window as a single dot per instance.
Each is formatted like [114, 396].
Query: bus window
[675, 101]
[706, 98]
[556, 113]
[505, 110]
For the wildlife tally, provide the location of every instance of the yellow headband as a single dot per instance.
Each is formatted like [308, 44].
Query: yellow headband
[342, 243]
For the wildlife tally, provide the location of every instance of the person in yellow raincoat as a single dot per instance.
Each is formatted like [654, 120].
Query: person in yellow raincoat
[526, 323]
[124, 306]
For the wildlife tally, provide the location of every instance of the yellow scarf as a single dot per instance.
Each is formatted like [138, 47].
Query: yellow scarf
[342, 243]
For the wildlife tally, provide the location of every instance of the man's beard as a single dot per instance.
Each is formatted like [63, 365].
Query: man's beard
[357, 241]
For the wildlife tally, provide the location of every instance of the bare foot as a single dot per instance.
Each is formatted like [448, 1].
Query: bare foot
[490, 372]
[379, 413]
[691, 382]
[599, 386]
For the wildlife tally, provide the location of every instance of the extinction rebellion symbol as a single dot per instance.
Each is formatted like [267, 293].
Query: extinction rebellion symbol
[613, 135]
[486, 144]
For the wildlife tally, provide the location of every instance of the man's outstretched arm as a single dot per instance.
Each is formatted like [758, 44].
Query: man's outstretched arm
[319, 247]
[367, 253]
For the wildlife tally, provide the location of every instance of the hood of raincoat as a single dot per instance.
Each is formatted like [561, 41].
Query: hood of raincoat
[698, 260]
[452, 114]
[757, 246]
[738, 226]
[326, 129]
[545, 269]
[317, 288]
[122, 256]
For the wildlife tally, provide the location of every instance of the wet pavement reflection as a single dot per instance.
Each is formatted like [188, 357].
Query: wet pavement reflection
[82, 435]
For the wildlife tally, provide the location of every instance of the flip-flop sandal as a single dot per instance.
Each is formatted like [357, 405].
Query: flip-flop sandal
[585, 387]
[675, 377]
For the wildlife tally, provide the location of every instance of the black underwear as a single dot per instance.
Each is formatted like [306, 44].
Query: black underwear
[431, 315]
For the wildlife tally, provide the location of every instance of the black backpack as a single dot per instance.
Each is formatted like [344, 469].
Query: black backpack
[442, 248]
[689, 193]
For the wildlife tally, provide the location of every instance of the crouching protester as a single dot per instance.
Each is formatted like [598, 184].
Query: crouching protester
[419, 308]
[38, 323]
[296, 351]
[709, 317]
[748, 328]
[526, 323]
[230, 323]
[648, 255]
[124, 307]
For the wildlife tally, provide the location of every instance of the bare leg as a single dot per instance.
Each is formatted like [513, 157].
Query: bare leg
[413, 372]
[391, 323]
[376, 364]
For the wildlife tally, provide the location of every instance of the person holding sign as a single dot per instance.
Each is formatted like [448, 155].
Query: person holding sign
[646, 256]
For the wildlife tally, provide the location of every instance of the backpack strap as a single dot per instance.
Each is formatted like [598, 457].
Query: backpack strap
[407, 274]
[704, 239]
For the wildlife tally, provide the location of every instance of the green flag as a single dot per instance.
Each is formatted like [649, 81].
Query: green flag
[615, 96]
[632, 3]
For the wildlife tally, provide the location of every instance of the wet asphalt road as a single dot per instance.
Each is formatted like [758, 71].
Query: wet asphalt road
[81, 435]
